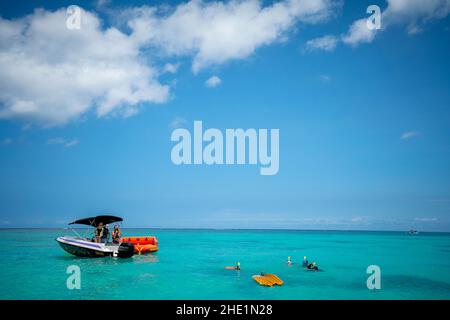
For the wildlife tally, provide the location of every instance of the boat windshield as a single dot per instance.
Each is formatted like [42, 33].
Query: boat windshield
[88, 233]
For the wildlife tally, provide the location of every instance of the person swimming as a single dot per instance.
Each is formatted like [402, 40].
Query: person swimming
[236, 267]
[289, 262]
[312, 267]
[305, 262]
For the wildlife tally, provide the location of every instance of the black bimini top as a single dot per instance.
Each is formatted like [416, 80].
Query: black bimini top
[94, 221]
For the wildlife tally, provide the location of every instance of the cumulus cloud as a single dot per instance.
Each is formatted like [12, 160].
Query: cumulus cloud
[64, 142]
[212, 82]
[217, 32]
[359, 33]
[178, 122]
[71, 143]
[51, 75]
[414, 14]
[171, 67]
[409, 135]
[325, 43]
[102, 3]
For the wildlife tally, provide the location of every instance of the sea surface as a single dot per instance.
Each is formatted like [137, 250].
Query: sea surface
[190, 265]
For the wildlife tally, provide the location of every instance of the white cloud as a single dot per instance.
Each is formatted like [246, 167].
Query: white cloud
[217, 32]
[102, 3]
[212, 82]
[415, 14]
[71, 143]
[359, 33]
[426, 219]
[325, 43]
[51, 75]
[171, 67]
[325, 78]
[409, 135]
[178, 122]
[65, 142]
[340, 221]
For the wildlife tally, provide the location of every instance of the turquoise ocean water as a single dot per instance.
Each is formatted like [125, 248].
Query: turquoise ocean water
[189, 265]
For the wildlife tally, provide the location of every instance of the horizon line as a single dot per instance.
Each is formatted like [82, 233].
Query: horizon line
[233, 229]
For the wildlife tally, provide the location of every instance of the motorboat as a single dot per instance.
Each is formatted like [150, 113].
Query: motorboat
[86, 247]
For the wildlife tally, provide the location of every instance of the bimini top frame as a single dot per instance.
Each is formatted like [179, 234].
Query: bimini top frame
[95, 221]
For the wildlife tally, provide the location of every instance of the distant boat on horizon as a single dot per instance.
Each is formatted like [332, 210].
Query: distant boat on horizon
[413, 232]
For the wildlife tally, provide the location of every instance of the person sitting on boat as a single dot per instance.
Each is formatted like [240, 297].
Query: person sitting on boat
[116, 235]
[98, 235]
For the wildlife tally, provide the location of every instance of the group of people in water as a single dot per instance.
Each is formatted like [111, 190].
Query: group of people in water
[102, 234]
[305, 264]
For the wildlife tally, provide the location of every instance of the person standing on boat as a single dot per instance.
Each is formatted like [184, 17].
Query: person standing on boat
[105, 236]
[116, 234]
[99, 233]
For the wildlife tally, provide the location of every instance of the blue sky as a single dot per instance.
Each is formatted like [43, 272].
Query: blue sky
[364, 117]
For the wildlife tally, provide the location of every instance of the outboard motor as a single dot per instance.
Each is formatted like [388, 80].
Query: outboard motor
[126, 250]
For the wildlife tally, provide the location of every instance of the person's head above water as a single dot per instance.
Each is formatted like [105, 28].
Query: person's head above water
[304, 257]
[289, 258]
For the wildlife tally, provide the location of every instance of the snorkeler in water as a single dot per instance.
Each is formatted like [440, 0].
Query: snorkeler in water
[305, 262]
[236, 267]
[289, 262]
[312, 267]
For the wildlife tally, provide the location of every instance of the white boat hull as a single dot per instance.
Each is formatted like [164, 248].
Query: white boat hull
[83, 248]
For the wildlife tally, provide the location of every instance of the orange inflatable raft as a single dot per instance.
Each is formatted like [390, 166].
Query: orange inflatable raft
[143, 244]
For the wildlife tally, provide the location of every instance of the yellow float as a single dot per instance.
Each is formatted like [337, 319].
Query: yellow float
[268, 279]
